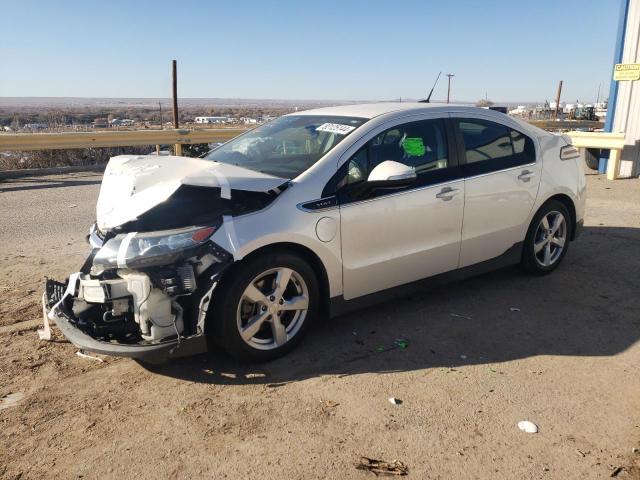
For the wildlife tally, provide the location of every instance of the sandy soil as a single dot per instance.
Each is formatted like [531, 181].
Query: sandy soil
[568, 361]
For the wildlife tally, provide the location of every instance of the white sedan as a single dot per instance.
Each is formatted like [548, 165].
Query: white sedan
[312, 215]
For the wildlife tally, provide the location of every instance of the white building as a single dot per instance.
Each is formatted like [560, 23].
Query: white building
[212, 119]
[520, 110]
[121, 121]
[624, 95]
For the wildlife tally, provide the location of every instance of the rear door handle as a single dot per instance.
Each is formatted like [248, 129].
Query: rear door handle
[447, 193]
[526, 175]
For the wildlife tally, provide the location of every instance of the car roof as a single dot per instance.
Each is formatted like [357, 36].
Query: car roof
[372, 110]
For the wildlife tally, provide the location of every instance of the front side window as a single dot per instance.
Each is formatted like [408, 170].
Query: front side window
[490, 146]
[421, 145]
[287, 146]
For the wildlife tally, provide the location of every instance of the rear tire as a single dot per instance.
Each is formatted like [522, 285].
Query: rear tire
[263, 307]
[547, 239]
[592, 158]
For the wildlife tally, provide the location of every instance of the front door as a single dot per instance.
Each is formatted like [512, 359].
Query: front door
[393, 237]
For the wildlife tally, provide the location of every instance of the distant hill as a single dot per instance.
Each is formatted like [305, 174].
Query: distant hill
[76, 102]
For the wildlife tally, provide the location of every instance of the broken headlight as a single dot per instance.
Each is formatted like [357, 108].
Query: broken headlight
[139, 250]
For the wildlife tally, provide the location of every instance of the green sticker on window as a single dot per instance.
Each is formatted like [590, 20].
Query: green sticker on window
[413, 147]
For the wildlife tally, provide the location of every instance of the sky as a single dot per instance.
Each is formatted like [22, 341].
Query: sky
[508, 51]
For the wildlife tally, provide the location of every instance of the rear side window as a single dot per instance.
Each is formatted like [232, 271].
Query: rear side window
[485, 140]
[490, 146]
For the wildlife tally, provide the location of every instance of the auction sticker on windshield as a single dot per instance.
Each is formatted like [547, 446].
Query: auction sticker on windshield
[335, 128]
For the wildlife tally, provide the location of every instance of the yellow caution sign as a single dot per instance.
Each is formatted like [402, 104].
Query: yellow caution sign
[626, 71]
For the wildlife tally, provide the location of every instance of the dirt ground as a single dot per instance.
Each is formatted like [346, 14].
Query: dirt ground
[567, 360]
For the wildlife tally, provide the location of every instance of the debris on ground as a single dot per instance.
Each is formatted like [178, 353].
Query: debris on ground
[463, 357]
[73, 205]
[616, 471]
[81, 354]
[635, 450]
[400, 343]
[379, 467]
[527, 426]
[457, 315]
[328, 407]
[10, 400]
[514, 309]
[395, 401]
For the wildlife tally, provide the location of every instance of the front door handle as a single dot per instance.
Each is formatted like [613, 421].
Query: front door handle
[526, 175]
[447, 193]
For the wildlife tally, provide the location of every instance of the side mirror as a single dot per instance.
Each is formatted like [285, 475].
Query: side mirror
[392, 174]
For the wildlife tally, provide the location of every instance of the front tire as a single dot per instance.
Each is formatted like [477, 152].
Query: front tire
[263, 307]
[547, 239]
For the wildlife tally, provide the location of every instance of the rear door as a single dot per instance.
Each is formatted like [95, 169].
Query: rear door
[393, 237]
[501, 184]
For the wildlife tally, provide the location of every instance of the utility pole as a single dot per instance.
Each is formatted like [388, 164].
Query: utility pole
[555, 115]
[158, 146]
[174, 76]
[449, 75]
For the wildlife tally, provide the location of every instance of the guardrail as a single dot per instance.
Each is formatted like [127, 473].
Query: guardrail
[52, 141]
[49, 141]
[603, 140]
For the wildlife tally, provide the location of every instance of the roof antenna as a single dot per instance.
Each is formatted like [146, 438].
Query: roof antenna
[428, 99]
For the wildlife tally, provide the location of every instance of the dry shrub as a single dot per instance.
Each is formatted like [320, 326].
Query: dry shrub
[65, 158]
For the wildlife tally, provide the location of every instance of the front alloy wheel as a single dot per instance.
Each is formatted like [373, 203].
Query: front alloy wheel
[273, 308]
[263, 306]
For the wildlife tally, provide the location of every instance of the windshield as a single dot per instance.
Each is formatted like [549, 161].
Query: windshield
[287, 146]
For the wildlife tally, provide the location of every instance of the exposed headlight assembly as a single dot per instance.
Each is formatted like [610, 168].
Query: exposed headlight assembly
[138, 250]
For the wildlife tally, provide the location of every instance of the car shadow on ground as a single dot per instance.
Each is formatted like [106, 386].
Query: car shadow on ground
[587, 307]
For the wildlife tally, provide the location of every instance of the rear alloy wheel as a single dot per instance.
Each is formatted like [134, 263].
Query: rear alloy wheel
[264, 306]
[547, 239]
[550, 238]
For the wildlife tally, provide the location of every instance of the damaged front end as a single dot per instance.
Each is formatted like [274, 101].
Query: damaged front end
[145, 289]
[141, 295]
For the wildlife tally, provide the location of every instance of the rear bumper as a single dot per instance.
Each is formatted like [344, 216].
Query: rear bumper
[148, 352]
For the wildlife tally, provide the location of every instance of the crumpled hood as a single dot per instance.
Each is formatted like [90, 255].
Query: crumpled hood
[134, 184]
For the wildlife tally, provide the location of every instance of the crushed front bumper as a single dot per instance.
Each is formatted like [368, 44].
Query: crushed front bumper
[149, 353]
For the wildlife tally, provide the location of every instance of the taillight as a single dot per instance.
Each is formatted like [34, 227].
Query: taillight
[568, 152]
